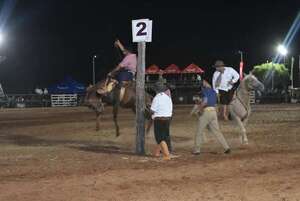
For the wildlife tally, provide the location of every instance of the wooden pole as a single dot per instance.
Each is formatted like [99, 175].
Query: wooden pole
[140, 99]
[299, 70]
[292, 72]
[291, 78]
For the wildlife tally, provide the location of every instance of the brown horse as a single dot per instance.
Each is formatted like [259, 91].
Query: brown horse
[108, 91]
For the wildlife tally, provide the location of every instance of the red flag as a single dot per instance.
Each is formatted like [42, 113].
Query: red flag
[241, 70]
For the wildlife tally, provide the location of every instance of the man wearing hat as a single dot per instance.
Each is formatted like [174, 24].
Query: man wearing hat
[163, 81]
[160, 82]
[208, 118]
[223, 80]
[162, 108]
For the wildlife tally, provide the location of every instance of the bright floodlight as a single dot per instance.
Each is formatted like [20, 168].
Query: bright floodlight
[282, 50]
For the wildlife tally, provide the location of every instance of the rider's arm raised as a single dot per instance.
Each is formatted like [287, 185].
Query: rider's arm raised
[120, 45]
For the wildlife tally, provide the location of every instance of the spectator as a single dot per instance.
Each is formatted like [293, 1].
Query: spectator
[162, 108]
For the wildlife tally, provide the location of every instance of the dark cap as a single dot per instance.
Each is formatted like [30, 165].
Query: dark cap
[219, 63]
[160, 87]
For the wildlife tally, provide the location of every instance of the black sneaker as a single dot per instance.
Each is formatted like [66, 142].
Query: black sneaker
[227, 151]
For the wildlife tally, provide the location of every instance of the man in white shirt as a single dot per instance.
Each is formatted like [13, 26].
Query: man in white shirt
[223, 80]
[162, 109]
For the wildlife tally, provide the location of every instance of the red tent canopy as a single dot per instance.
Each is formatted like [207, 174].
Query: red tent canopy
[172, 69]
[193, 68]
[153, 69]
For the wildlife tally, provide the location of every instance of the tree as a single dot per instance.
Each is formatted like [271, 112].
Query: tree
[274, 76]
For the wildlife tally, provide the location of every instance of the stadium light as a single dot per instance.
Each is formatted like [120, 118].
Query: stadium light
[282, 50]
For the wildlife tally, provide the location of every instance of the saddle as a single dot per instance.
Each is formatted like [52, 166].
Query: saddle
[107, 87]
[110, 84]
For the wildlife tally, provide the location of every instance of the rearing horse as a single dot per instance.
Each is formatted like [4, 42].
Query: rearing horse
[107, 91]
[239, 107]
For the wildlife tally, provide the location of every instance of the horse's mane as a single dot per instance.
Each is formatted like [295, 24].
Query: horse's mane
[243, 83]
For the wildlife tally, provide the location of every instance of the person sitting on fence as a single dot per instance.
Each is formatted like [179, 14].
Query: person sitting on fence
[38, 91]
[126, 69]
[45, 91]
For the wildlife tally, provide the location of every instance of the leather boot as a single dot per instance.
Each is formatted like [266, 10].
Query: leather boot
[168, 141]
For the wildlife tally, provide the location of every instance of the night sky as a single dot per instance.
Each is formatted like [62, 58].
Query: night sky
[46, 40]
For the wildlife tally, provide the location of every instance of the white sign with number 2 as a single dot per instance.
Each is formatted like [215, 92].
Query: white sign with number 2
[142, 30]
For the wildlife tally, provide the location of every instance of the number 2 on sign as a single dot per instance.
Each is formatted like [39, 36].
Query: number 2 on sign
[141, 32]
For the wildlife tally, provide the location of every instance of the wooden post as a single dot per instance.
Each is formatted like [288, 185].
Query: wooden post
[291, 78]
[299, 70]
[140, 100]
[292, 72]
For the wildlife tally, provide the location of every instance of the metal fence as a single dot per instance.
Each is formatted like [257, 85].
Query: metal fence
[179, 96]
[35, 100]
[64, 100]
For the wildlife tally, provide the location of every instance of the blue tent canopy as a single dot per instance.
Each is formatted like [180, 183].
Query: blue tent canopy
[67, 86]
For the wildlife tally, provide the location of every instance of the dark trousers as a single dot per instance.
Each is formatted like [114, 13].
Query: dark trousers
[124, 75]
[162, 132]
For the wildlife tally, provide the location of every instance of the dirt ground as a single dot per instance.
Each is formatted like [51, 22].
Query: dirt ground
[51, 154]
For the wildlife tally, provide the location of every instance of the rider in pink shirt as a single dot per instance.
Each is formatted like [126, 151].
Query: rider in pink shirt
[126, 69]
[129, 62]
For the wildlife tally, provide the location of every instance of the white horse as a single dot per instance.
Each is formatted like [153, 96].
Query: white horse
[239, 107]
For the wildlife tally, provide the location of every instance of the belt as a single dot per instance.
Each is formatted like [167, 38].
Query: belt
[162, 118]
[209, 109]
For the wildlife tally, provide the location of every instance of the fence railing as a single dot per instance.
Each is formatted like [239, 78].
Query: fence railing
[64, 100]
[36, 100]
[179, 96]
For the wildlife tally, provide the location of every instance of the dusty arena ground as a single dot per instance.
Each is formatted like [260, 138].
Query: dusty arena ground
[51, 154]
